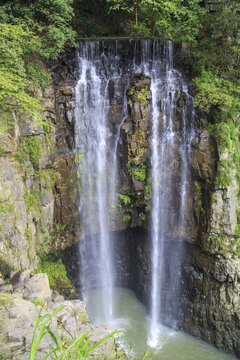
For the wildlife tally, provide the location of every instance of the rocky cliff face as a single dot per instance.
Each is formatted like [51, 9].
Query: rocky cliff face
[38, 180]
[29, 299]
[26, 198]
[40, 189]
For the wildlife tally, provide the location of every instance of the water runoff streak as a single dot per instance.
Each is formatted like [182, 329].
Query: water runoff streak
[104, 69]
[96, 146]
[168, 143]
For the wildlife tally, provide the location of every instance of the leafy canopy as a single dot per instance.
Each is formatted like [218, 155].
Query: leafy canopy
[17, 46]
[29, 32]
[50, 20]
[172, 19]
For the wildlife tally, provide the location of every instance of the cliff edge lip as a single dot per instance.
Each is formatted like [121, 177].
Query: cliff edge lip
[116, 38]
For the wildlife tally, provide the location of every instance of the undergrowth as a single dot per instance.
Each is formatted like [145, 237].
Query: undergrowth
[55, 269]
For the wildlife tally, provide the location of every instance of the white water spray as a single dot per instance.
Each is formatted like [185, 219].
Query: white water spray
[164, 146]
[101, 68]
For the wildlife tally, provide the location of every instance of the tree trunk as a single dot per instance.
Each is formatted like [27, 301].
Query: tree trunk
[136, 15]
[153, 28]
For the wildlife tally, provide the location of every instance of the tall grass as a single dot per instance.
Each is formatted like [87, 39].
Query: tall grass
[80, 348]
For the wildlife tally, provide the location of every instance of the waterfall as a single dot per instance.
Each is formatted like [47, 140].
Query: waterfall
[165, 150]
[93, 142]
[110, 68]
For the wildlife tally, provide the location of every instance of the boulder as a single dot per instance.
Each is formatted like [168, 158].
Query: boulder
[138, 184]
[37, 288]
[32, 287]
[18, 317]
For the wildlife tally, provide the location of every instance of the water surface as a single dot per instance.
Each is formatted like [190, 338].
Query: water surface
[130, 317]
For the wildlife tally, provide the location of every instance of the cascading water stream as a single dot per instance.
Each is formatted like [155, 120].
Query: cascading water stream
[92, 141]
[165, 137]
[102, 68]
[96, 140]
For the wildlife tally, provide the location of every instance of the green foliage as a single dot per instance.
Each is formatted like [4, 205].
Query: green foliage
[30, 148]
[21, 154]
[142, 216]
[54, 17]
[236, 241]
[172, 19]
[124, 198]
[217, 79]
[3, 153]
[220, 241]
[47, 126]
[131, 199]
[214, 91]
[32, 199]
[29, 32]
[84, 318]
[188, 17]
[227, 135]
[55, 270]
[37, 74]
[140, 172]
[6, 205]
[148, 206]
[79, 348]
[78, 158]
[224, 177]
[42, 302]
[126, 218]
[47, 178]
[148, 187]
[226, 245]
[50, 20]
[34, 150]
[5, 300]
[17, 45]
[138, 94]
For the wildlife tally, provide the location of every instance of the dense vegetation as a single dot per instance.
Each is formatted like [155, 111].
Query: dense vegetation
[32, 31]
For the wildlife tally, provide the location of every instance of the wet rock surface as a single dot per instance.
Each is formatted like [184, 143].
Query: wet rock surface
[211, 303]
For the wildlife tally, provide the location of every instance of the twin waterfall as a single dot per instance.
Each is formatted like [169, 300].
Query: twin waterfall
[111, 68]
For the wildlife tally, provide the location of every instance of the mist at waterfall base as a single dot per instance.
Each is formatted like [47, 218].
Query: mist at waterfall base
[105, 73]
[132, 319]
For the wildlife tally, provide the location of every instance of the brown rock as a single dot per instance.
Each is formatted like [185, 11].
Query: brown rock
[138, 184]
[202, 158]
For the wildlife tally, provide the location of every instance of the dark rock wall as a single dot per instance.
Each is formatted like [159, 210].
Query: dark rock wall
[205, 301]
[211, 304]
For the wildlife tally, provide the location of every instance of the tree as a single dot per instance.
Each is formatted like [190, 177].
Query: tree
[176, 19]
[159, 14]
[51, 20]
[218, 55]
[29, 32]
[127, 5]
[17, 47]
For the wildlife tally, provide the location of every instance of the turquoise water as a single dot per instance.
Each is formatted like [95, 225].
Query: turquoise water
[131, 318]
